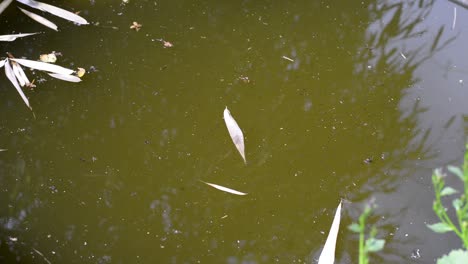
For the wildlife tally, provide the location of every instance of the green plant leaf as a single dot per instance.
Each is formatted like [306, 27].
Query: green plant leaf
[454, 257]
[457, 204]
[354, 227]
[448, 191]
[374, 245]
[456, 170]
[440, 227]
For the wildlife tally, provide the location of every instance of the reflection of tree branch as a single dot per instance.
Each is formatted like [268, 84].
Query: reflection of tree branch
[462, 3]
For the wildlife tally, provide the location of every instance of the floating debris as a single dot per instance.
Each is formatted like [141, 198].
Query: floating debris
[80, 72]
[167, 44]
[13, 37]
[224, 189]
[328, 253]
[136, 26]
[39, 19]
[66, 77]
[235, 132]
[50, 58]
[287, 58]
[244, 79]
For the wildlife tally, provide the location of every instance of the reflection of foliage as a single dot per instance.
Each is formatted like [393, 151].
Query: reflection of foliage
[386, 64]
[396, 26]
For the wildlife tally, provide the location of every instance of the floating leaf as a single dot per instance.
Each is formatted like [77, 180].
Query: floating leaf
[235, 132]
[328, 253]
[19, 73]
[440, 227]
[448, 191]
[136, 26]
[42, 66]
[15, 36]
[65, 77]
[39, 19]
[454, 257]
[80, 72]
[4, 5]
[11, 76]
[1, 150]
[374, 245]
[224, 189]
[55, 11]
[50, 58]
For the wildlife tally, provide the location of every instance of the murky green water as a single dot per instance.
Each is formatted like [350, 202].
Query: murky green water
[109, 170]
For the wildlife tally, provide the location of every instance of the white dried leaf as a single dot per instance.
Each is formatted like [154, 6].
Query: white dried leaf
[2, 62]
[11, 76]
[13, 37]
[19, 73]
[39, 19]
[42, 66]
[328, 253]
[235, 132]
[224, 189]
[4, 5]
[55, 11]
[65, 77]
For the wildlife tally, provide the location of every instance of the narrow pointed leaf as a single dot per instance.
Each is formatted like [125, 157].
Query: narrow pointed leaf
[328, 253]
[42, 66]
[4, 4]
[440, 227]
[65, 77]
[39, 19]
[13, 37]
[454, 257]
[448, 191]
[235, 132]
[11, 76]
[19, 73]
[457, 171]
[224, 189]
[23, 75]
[55, 11]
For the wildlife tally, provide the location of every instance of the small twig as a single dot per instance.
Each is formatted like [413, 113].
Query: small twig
[287, 58]
[402, 55]
[42, 255]
[454, 18]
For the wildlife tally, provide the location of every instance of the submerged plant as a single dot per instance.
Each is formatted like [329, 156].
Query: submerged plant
[460, 204]
[371, 244]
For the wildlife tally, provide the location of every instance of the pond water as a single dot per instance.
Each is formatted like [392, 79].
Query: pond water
[358, 100]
